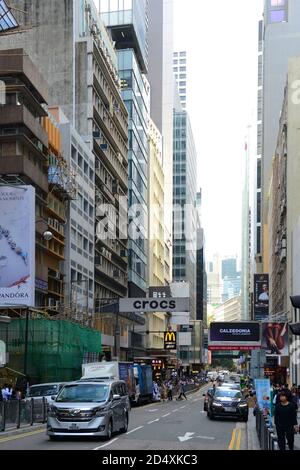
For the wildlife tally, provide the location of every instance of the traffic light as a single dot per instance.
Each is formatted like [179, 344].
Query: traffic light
[295, 328]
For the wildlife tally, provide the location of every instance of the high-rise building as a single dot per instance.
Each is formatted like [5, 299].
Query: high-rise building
[284, 216]
[128, 27]
[156, 322]
[201, 300]
[161, 80]
[279, 39]
[180, 74]
[184, 205]
[31, 154]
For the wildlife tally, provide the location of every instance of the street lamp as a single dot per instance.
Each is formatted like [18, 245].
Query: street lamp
[47, 235]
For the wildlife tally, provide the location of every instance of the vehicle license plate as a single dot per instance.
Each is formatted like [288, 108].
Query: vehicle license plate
[74, 427]
[230, 409]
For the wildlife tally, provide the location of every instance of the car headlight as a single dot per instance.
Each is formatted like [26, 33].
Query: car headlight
[101, 411]
[244, 405]
[215, 403]
[52, 411]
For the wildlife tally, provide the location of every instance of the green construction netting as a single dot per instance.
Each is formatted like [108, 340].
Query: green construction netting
[56, 348]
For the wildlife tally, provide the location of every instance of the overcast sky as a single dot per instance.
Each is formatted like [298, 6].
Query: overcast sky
[221, 41]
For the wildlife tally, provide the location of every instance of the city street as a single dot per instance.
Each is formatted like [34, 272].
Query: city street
[177, 425]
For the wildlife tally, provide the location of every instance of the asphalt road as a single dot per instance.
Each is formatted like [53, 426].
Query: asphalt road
[176, 425]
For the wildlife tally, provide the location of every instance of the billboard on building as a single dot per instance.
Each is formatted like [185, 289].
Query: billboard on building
[275, 338]
[242, 336]
[17, 246]
[261, 296]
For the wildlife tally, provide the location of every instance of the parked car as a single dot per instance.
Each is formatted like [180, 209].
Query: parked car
[48, 390]
[91, 407]
[226, 402]
[206, 396]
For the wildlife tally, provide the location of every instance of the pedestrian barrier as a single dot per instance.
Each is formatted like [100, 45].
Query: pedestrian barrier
[265, 432]
[15, 414]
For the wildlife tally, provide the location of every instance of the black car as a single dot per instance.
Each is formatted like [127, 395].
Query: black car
[225, 402]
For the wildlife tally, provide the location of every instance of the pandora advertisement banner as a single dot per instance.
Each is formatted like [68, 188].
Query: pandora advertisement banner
[17, 246]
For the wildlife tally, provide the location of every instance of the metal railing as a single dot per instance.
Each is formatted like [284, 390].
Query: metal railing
[266, 432]
[15, 414]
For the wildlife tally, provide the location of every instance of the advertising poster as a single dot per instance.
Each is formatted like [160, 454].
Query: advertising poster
[17, 246]
[275, 338]
[263, 395]
[261, 296]
[232, 336]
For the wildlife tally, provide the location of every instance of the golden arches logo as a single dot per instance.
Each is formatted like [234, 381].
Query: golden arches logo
[170, 336]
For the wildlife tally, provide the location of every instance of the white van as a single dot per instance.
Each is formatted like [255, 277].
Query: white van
[44, 390]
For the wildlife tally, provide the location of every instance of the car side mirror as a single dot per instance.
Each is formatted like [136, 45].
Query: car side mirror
[53, 397]
[204, 395]
[116, 397]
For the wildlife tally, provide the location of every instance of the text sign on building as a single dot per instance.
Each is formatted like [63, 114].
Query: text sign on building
[154, 305]
[234, 336]
[170, 342]
[17, 246]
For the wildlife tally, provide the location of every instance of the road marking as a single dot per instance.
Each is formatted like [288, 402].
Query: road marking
[196, 399]
[152, 411]
[155, 421]
[187, 437]
[136, 429]
[107, 444]
[20, 436]
[232, 442]
[238, 441]
[164, 416]
[206, 437]
[174, 411]
[182, 407]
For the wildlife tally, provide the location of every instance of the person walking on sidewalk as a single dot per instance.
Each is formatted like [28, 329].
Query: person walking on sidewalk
[285, 421]
[170, 391]
[181, 391]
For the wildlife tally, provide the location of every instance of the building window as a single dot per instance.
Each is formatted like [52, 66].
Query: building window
[277, 3]
[277, 16]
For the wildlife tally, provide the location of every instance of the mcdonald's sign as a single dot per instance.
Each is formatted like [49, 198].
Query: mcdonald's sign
[170, 340]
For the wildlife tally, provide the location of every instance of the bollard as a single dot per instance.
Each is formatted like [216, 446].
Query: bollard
[44, 404]
[31, 411]
[3, 416]
[18, 414]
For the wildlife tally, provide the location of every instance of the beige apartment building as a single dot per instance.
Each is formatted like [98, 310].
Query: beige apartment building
[156, 258]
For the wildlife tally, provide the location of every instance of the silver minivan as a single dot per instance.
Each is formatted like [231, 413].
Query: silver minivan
[91, 407]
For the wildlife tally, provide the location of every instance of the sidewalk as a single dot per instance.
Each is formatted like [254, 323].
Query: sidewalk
[22, 430]
[252, 439]
[253, 442]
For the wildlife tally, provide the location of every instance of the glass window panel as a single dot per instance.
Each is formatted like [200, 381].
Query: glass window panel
[104, 6]
[127, 4]
[114, 5]
[277, 3]
[277, 16]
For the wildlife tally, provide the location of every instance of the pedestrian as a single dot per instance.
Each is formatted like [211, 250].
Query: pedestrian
[285, 421]
[164, 391]
[181, 391]
[6, 392]
[170, 391]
